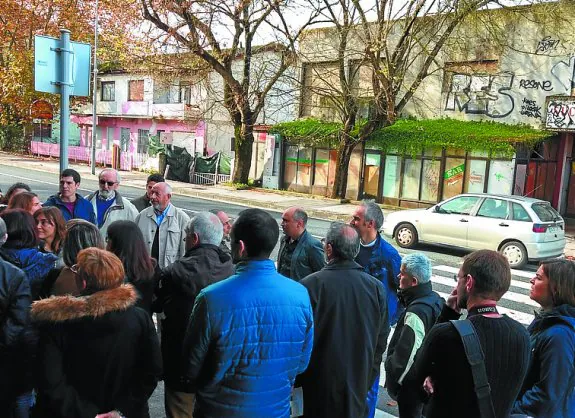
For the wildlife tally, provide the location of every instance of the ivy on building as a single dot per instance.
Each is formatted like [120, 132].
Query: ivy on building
[411, 136]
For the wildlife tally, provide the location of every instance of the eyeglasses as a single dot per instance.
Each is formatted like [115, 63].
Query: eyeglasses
[75, 269]
[109, 183]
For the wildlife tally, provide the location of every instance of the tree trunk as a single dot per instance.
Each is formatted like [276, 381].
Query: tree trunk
[344, 151]
[244, 138]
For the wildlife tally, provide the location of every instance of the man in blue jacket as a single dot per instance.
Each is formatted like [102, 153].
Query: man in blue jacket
[70, 203]
[379, 259]
[249, 335]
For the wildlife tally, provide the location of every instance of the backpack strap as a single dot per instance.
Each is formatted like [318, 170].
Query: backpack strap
[476, 361]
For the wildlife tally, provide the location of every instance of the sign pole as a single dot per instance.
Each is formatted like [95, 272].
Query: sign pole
[95, 94]
[64, 96]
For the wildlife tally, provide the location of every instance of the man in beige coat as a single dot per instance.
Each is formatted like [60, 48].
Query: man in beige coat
[162, 225]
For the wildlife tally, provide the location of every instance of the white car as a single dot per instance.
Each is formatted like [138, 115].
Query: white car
[521, 228]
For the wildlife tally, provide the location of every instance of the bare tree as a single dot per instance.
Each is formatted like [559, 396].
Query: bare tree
[395, 43]
[223, 32]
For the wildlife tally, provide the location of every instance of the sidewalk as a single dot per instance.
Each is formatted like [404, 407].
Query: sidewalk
[315, 206]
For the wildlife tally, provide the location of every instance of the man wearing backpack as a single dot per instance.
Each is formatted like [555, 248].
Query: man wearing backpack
[442, 366]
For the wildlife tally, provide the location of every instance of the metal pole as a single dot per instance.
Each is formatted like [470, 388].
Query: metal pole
[95, 91]
[64, 96]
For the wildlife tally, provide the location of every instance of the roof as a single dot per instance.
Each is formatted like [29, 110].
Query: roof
[517, 198]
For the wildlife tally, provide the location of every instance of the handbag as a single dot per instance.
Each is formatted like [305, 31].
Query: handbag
[476, 360]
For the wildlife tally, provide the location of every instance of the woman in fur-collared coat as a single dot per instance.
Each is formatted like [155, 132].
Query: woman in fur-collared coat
[98, 352]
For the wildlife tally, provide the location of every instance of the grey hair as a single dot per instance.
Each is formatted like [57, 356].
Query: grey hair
[344, 241]
[300, 215]
[419, 266]
[168, 188]
[373, 213]
[207, 226]
[111, 170]
[3, 232]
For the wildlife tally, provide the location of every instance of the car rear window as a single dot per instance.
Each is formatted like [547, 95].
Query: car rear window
[545, 212]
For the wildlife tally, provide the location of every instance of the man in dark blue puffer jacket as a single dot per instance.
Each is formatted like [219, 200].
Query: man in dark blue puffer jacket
[251, 334]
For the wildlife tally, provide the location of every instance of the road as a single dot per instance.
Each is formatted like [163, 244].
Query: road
[446, 262]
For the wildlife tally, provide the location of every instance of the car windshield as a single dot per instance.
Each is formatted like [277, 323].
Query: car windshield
[545, 212]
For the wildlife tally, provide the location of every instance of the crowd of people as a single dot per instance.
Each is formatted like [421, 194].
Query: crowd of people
[239, 335]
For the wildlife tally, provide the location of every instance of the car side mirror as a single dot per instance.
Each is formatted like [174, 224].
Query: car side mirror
[437, 209]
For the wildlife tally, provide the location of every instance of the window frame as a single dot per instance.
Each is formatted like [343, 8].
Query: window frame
[112, 97]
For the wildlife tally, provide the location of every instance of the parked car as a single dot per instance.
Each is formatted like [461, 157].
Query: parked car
[521, 228]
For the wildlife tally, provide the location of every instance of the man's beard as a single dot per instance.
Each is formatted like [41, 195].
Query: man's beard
[107, 194]
[462, 297]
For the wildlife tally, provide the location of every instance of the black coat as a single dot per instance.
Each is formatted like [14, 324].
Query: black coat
[96, 354]
[16, 338]
[350, 337]
[179, 285]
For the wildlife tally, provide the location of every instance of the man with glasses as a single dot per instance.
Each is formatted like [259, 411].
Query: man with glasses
[70, 203]
[107, 202]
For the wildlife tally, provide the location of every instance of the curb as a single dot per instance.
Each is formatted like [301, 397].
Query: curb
[131, 179]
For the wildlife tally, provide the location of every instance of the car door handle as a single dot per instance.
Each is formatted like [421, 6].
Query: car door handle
[503, 224]
[463, 220]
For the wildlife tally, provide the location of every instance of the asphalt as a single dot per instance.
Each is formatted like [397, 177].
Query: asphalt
[277, 200]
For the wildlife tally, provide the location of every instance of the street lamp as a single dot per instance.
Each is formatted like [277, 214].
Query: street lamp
[94, 90]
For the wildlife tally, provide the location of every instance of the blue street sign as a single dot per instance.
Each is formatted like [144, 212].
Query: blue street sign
[47, 66]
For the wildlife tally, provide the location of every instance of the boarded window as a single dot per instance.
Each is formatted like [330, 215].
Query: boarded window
[136, 90]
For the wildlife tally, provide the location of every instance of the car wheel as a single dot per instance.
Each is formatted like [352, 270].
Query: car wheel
[406, 236]
[515, 253]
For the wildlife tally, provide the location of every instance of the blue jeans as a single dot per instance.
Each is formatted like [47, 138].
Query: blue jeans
[372, 398]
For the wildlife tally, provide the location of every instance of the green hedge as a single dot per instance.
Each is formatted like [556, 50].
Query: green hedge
[411, 136]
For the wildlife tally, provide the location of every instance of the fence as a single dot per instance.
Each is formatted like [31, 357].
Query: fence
[210, 179]
[128, 161]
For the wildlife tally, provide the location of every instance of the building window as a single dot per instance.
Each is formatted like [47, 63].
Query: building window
[185, 93]
[108, 91]
[110, 137]
[42, 130]
[161, 92]
[125, 139]
[143, 141]
[136, 90]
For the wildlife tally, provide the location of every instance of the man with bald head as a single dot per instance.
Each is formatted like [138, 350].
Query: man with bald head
[163, 226]
[300, 253]
[350, 331]
[107, 202]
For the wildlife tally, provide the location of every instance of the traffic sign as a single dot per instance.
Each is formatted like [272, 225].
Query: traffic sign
[48, 75]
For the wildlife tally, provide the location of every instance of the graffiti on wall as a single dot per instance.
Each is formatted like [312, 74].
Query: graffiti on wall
[481, 94]
[544, 85]
[546, 44]
[560, 114]
[564, 72]
[530, 109]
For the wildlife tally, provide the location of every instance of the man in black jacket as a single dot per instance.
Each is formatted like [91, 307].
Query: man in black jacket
[16, 340]
[423, 306]
[203, 264]
[351, 329]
